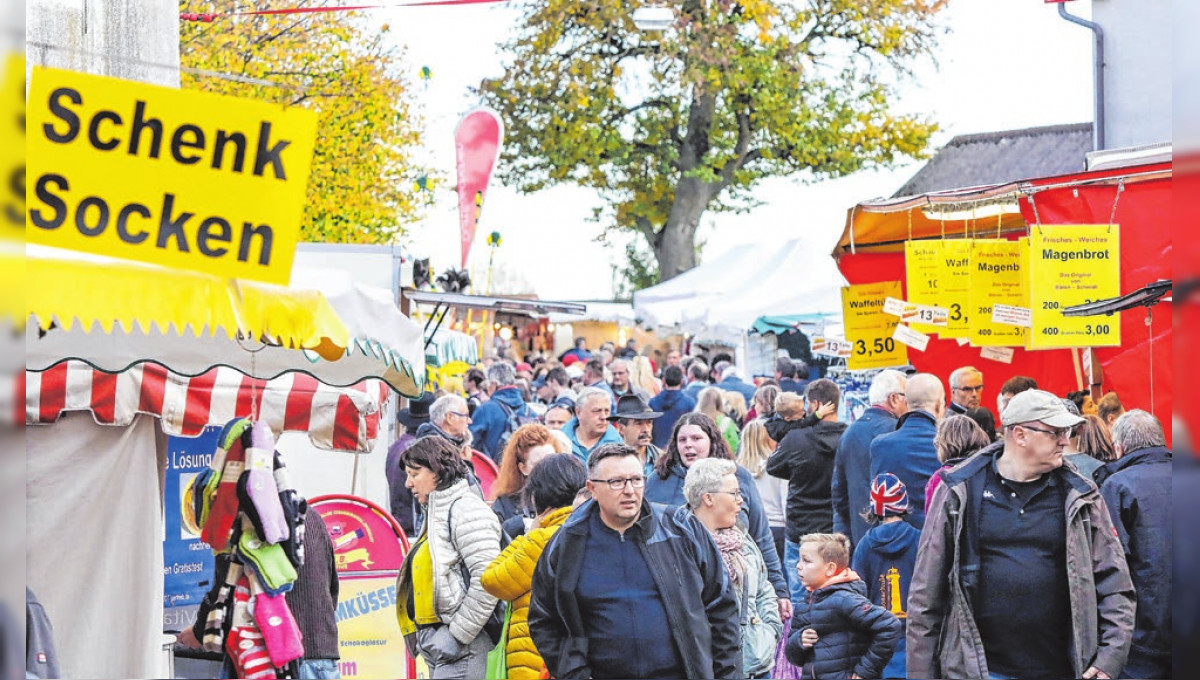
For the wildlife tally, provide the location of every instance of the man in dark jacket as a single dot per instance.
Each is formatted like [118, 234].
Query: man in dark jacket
[1019, 571]
[1137, 489]
[908, 452]
[671, 403]
[491, 420]
[656, 605]
[852, 463]
[804, 457]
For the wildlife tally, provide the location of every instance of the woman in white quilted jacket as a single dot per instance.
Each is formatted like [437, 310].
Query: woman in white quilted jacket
[441, 606]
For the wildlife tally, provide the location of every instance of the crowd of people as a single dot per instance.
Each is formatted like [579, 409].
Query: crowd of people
[680, 521]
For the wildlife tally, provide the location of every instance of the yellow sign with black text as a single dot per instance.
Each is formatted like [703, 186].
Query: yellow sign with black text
[1073, 265]
[183, 179]
[938, 275]
[369, 637]
[869, 329]
[999, 276]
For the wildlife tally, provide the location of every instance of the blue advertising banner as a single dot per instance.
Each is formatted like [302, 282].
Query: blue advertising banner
[187, 560]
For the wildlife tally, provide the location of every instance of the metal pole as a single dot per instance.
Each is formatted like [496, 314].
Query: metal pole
[1098, 73]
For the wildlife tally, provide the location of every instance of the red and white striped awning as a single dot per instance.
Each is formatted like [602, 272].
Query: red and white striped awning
[336, 418]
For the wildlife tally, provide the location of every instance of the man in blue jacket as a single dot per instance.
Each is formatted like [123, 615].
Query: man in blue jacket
[908, 452]
[492, 419]
[630, 589]
[1137, 490]
[852, 462]
[671, 403]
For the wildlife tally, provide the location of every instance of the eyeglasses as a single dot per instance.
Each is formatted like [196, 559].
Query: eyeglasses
[618, 483]
[736, 493]
[1056, 433]
[977, 388]
[460, 415]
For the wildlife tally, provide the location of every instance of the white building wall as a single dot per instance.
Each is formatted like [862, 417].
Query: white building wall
[1137, 78]
[131, 39]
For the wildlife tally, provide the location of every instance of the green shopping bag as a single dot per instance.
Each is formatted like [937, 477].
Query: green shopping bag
[497, 660]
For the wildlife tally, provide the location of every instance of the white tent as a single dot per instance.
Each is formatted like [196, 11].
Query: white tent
[719, 300]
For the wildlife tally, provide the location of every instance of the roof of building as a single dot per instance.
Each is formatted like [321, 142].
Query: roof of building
[1000, 157]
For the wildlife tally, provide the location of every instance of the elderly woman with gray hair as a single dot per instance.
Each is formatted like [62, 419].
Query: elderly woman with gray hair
[713, 495]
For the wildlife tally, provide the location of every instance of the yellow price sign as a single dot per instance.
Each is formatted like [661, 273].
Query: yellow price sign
[938, 275]
[185, 179]
[999, 276]
[869, 329]
[1072, 265]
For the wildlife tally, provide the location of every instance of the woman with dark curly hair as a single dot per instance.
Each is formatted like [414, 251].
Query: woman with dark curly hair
[694, 438]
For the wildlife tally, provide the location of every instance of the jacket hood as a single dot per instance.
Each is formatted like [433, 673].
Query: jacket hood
[670, 398]
[556, 518]
[891, 540]
[1152, 454]
[510, 396]
[846, 579]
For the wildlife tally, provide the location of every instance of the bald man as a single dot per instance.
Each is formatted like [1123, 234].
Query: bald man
[908, 452]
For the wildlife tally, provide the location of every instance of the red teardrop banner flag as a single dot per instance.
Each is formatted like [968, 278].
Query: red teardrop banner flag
[477, 146]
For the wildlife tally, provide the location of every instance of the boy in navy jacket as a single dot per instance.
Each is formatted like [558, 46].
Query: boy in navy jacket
[887, 554]
[837, 632]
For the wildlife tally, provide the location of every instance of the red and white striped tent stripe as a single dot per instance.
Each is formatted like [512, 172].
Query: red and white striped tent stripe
[335, 418]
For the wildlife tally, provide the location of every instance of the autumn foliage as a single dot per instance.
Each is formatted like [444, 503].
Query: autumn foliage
[668, 125]
[363, 183]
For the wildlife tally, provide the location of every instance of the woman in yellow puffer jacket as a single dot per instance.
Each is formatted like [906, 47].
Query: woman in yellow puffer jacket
[550, 491]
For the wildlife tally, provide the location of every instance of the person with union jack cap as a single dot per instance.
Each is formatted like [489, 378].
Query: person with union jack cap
[887, 554]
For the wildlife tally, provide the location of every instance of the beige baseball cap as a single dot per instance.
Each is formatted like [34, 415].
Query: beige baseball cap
[1039, 405]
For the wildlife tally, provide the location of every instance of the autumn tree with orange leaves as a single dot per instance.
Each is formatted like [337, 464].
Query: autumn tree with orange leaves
[364, 182]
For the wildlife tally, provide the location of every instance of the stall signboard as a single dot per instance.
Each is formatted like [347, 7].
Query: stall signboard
[179, 178]
[999, 276]
[187, 560]
[869, 329]
[938, 275]
[369, 637]
[369, 548]
[1073, 265]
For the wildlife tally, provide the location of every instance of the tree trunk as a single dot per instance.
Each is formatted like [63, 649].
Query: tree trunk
[675, 249]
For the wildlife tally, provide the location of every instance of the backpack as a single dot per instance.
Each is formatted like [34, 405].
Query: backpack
[514, 419]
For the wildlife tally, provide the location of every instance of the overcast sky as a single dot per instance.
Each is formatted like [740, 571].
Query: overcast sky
[1003, 65]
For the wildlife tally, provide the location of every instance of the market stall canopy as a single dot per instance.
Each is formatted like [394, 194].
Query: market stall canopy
[1137, 197]
[339, 419]
[114, 315]
[450, 347]
[721, 299]
[785, 323]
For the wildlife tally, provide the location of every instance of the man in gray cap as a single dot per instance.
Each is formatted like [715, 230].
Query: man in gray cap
[1019, 571]
[634, 420]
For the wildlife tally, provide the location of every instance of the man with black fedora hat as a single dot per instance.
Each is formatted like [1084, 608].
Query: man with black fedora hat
[403, 506]
[634, 420]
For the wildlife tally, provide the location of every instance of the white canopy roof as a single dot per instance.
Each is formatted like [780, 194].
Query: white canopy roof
[722, 298]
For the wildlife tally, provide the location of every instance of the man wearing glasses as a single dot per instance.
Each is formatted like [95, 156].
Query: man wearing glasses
[966, 389]
[630, 589]
[1019, 571]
